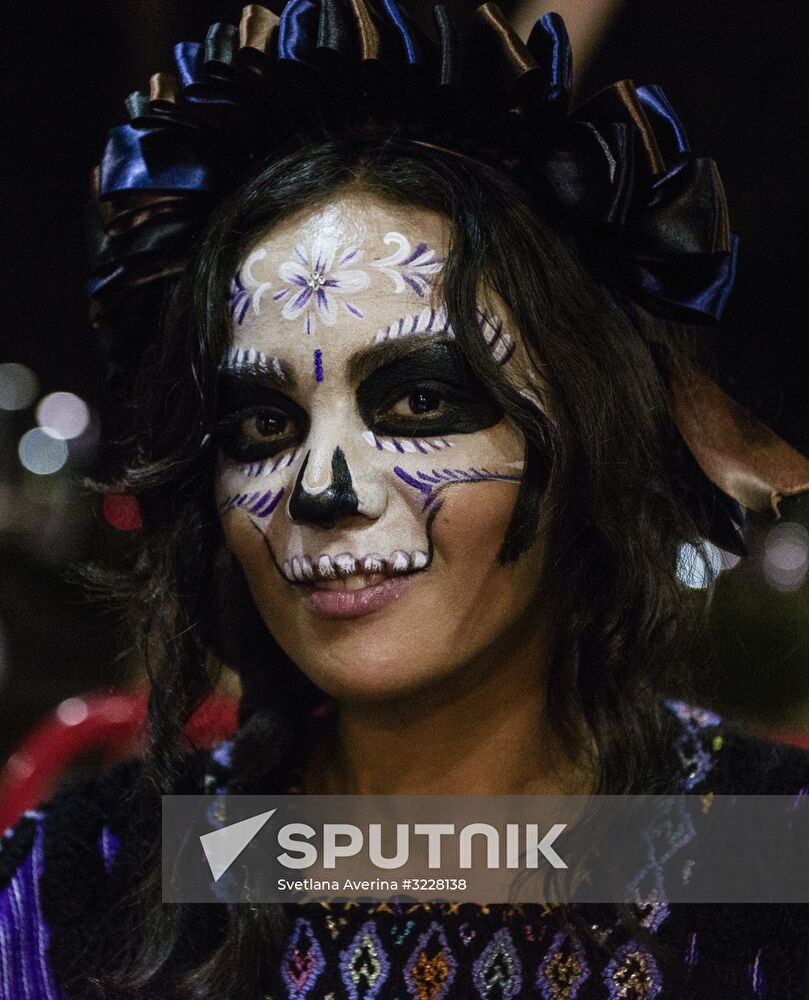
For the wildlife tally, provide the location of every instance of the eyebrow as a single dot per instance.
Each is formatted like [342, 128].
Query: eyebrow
[256, 366]
[365, 362]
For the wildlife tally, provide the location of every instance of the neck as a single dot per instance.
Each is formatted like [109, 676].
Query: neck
[486, 731]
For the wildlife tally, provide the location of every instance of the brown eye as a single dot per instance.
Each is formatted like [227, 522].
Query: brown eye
[265, 426]
[417, 403]
[250, 436]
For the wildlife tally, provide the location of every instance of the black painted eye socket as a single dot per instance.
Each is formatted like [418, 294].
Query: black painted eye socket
[257, 421]
[250, 436]
[418, 403]
[432, 391]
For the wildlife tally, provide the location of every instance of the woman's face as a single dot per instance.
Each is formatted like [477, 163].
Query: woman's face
[365, 481]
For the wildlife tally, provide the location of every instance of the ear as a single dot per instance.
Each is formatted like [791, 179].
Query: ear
[734, 449]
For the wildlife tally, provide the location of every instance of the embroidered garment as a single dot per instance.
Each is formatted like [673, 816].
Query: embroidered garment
[57, 884]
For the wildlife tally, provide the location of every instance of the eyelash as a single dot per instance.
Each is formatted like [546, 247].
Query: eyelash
[234, 441]
[453, 405]
[456, 412]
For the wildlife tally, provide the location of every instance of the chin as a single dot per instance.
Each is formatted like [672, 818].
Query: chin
[371, 667]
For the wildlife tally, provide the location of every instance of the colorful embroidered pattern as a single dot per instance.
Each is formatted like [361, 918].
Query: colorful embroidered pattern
[431, 968]
[364, 965]
[303, 961]
[563, 969]
[497, 972]
[694, 755]
[668, 836]
[632, 974]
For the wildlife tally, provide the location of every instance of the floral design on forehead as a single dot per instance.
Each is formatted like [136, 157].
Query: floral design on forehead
[317, 280]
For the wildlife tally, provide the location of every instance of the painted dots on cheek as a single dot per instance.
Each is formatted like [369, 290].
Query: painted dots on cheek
[317, 361]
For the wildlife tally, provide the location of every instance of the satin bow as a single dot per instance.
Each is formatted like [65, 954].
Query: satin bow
[619, 165]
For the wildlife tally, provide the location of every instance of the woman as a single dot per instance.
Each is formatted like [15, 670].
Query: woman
[406, 458]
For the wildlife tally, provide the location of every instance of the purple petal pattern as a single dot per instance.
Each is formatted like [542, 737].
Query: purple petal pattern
[427, 483]
[239, 301]
[316, 280]
[409, 267]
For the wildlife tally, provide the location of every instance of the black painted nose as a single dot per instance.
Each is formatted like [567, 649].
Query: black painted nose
[326, 508]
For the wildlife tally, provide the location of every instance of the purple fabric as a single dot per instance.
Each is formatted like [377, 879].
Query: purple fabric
[24, 936]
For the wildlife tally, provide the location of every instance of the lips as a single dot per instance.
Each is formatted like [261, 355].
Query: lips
[349, 586]
[344, 565]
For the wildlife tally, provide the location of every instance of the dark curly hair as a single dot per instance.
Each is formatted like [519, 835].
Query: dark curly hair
[608, 473]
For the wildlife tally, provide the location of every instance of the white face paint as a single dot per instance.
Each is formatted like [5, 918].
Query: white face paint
[354, 436]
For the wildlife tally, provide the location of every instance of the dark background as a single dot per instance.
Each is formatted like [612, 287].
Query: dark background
[734, 70]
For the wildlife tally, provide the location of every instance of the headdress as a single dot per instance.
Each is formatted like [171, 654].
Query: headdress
[618, 166]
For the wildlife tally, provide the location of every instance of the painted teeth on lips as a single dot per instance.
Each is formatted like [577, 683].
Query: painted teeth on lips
[349, 568]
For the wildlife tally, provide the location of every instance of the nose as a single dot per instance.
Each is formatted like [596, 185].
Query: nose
[330, 505]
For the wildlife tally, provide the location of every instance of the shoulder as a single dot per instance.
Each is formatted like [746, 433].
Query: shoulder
[725, 757]
[24, 935]
[65, 865]
[87, 817]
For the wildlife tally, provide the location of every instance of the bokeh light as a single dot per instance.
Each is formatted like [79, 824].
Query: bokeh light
[19, 386]
[72, 711]
[698, 568]
[122, 512]
[63, 415]
[41, 453]
[786, 556]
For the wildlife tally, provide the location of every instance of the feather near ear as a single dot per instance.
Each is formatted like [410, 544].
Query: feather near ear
[734, 449]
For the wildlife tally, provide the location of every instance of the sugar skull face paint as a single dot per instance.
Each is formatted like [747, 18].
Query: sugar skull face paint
[365, 476]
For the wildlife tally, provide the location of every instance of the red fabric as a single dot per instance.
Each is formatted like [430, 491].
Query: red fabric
[112, 725]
